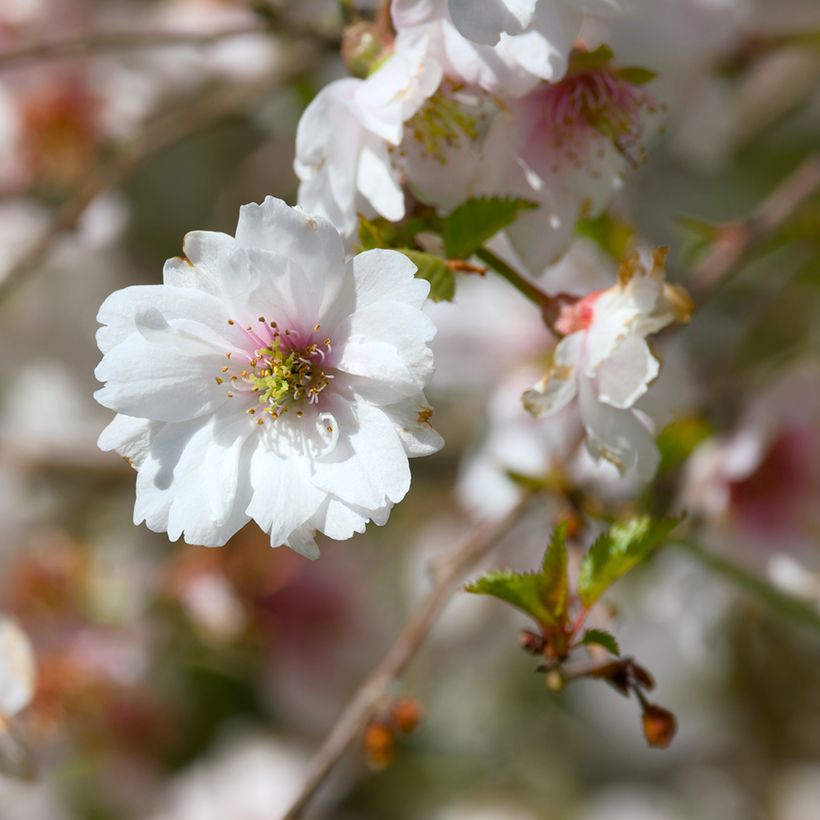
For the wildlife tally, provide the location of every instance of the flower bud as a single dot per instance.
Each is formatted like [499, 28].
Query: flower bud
[379, 745]
[407, 714]
[659, 726]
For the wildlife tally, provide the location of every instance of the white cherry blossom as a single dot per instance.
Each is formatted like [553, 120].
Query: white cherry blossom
[271, 379]
[603, 364]
[347, 134]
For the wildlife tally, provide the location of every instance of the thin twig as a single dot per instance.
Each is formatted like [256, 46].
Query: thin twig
[372, 692]
[100, 42]
[778, 601]
[736, 239]
[182, 120]
[548, 305]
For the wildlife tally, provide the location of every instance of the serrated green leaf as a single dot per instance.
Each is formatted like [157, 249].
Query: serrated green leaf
[600, 637]
[524, 591]
[470, 225]
[636, 75]
[617, 551]
[554, 572]
[436, 271]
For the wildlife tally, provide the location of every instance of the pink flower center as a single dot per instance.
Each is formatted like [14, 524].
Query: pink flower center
[280, 369]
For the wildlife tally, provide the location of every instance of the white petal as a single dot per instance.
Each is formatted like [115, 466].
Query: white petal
[378, 181]
[200, 266]
[311, 242]
[617, 435]
[164, 380]
[624, 377]
[483, 20]
[412, 421]
[387, 276]
[283, 498]
[118, 312]
[17, 669]
[368, 467]
[130, 437]
[183, 474]
[559, 387]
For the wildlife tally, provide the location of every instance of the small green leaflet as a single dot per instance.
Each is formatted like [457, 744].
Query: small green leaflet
[543, 595]
[470, 225]
[617, 551]
[599, 637]
[636, 75]
[524, 590]
[554, 572]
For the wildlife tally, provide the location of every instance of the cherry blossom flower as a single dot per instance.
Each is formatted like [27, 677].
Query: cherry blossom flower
[346, 135]
[757, 487]
[575, 140]
[503, 46]
[603, 363]
[269, 379]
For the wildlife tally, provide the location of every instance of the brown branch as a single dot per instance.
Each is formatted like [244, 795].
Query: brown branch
[736, 239]
[374, 689]
[100, 42]
[181, 120]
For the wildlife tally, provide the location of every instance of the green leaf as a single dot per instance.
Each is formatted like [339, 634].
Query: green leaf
[636, 75]
[589, 60]
[375, 233]
[554, 572]
[615, 237]
[523, 590]
[600, 637]
[436, 271]
[470, 225]
[616, 552]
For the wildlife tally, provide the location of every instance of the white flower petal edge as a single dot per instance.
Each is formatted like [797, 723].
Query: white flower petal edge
[271, 379]
[16, 669]
[604, 363]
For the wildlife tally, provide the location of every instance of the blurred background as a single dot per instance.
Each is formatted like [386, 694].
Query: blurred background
[182, 683]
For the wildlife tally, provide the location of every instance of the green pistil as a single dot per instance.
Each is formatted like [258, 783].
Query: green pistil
[281, 378]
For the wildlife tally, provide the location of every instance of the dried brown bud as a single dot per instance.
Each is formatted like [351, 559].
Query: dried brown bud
[379, 745]
[407, 714]
[659, 726]
[531, 642]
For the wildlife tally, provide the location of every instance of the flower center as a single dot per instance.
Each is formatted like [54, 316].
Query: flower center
[284, 370]
[442, 122]
[600, 100]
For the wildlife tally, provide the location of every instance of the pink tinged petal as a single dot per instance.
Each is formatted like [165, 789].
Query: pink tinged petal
[281, 289]
[175, 486]
[617, 435]
[311, 242]
[161, 374]
[283, 498]
[483, 21]
[625, 376]
[130, 437]
[201, 264]
[17, 669]
[118, 312]
[412, 422]
[368, 468]
[560, 386]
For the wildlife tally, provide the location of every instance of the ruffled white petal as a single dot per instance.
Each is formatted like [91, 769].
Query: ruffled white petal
[626, 375]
